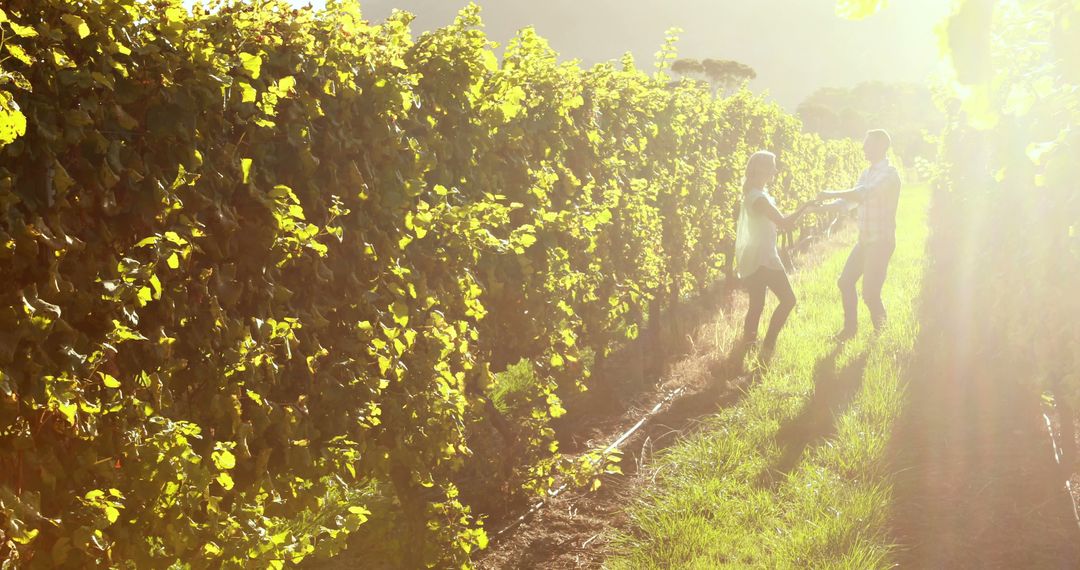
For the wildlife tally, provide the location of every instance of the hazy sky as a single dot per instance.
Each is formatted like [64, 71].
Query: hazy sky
[796, 46]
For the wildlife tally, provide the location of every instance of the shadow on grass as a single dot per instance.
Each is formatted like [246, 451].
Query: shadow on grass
[834, 389]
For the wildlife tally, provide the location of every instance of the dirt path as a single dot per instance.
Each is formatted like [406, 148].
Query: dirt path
[976, 485]
[574, 530]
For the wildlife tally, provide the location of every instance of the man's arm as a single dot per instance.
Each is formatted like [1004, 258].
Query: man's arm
[867, 183]
[856, 194]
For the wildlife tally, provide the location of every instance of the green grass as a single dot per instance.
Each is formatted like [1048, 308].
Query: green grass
[513, 381]
[791, 477]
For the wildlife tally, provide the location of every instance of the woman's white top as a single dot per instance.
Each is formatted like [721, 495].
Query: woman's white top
[755, 237]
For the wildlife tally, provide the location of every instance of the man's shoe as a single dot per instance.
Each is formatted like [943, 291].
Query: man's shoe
[879, 327]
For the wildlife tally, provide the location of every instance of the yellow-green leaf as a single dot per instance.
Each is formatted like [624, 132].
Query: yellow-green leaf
[18, 79]
[225, 480]
[491, 63]
[18, 53]
[26, 537]
[252, 64]
[76, 23]
[285, 85]
[23, 31]
[175, 238]
[255, 397]
[223, 459]
[526, 240]
[147, 241]
[247, 92]
[68, 410]
[12, 121]
[857, 9]
[360, 512]
[175, 14]
[109, 381]
[401, 313]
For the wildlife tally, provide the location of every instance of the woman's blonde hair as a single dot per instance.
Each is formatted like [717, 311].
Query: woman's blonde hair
[755, 167]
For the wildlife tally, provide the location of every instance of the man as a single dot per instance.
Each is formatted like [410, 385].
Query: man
[876, 195]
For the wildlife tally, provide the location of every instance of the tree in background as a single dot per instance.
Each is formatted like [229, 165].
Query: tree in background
[684, 67]
[906, 110]
[723, 75]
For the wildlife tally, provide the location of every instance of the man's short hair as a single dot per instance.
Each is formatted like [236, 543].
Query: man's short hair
[879, 137]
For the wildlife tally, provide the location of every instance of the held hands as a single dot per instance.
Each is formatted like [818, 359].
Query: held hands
[812, 206]
[824, 202]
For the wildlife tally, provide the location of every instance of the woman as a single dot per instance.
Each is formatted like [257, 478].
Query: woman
[756, 258]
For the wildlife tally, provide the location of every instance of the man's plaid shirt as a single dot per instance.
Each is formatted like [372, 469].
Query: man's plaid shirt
[879, 187]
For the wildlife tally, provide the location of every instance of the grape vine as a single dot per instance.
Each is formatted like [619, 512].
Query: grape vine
[261, 264]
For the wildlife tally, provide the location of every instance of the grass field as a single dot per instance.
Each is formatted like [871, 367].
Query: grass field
[794, 475]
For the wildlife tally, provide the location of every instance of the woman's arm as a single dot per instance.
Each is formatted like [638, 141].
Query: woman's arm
[785, 223]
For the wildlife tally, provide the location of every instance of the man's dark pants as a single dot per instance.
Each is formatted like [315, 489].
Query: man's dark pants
[871, 262]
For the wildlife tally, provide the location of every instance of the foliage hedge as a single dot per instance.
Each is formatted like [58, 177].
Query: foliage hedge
[1009, 203]
[258, 261]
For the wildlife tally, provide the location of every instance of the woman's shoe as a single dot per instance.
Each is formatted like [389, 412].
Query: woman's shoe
[844, 335]
[766, 352]
[746, 342]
